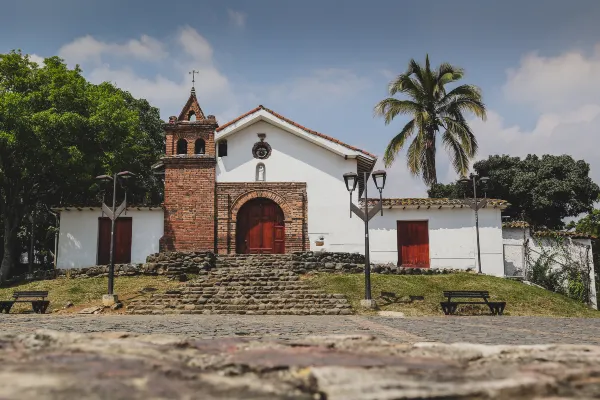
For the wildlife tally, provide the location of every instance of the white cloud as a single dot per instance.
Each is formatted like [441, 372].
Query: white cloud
[237, 18]
[88, 48]
[571, 132]
[189, 50]
[552, 84]
[36, 59]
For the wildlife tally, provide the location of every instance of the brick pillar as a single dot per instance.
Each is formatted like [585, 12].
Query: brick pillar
[189, 204]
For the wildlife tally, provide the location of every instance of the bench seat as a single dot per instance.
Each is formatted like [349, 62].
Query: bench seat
[38, 301]
[449, 307]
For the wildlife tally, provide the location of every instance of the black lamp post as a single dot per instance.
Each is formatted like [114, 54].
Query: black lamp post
[113, 214]
[351, 179]
[476, 205]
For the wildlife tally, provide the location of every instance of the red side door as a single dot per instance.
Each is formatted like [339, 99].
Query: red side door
[123, 239]
[413, 244]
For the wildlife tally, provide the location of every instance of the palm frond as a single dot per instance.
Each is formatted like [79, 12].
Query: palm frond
[461, 105]
[458, 156]
[407, 85]
[391, 107]
[459, 128]
[397, 143]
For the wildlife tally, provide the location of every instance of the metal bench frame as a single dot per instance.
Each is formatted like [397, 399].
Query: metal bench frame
[38, 306]
[449, 307]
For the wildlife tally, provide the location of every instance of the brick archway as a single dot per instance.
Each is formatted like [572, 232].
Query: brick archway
[289, 196]
[255, 194]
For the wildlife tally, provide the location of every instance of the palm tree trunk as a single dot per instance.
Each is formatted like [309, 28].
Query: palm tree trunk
[430, 172]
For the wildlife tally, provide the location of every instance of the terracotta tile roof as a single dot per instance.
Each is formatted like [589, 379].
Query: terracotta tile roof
[98, 207]
[515, 224]
[430, 202]
[574, 235]
[297, 125]
[547, 232]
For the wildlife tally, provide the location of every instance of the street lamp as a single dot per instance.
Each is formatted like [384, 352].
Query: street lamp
[476, 205]
[113, 214]
[351, 179]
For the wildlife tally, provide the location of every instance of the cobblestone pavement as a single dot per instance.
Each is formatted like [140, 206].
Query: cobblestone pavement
[483, 330]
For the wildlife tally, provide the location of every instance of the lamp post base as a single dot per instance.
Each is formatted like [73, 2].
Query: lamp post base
[369, 304]
[109, 300]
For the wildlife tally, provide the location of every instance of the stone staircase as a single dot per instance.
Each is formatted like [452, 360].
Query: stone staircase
[245, 284]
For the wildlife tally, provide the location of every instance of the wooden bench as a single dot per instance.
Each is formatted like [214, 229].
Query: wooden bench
[33, 297]
[449, 307]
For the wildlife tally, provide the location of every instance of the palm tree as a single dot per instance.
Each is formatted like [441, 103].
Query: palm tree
[432, 109]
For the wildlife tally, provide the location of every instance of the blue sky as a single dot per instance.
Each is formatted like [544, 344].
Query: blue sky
[325, 63]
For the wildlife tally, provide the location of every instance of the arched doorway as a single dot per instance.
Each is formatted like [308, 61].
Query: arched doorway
[260, 228]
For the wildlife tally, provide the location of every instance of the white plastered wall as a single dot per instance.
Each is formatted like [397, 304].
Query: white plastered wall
[78, 237]
[294, 159]
[452, 237]
[514, 238]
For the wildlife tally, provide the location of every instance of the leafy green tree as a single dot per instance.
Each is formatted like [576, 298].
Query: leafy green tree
[445, 190]
[543, 190]
[434, 110]
[589, 225]
[57, 132]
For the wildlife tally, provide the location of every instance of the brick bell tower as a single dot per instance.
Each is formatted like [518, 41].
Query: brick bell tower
[190, 180]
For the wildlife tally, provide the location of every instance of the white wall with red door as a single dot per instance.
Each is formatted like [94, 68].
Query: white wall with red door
[438, 238]
[84, 238]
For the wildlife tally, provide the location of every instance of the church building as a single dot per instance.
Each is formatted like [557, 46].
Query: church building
[263, 184]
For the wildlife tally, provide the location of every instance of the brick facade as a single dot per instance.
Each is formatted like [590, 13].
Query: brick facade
[290, 196]
[200, 214]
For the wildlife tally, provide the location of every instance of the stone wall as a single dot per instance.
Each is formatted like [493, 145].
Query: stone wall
[178, 263]
[174, 263]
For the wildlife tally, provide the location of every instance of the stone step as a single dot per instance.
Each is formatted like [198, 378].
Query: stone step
[244, 284]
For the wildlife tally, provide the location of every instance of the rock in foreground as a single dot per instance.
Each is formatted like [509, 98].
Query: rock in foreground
[57, 365]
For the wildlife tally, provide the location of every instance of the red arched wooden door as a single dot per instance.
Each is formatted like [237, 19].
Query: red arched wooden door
[260, 228]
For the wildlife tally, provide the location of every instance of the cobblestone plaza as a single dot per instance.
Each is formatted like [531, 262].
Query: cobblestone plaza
[482, 330]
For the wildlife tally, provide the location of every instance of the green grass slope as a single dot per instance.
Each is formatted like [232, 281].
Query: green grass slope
[87, 292]
[521, 299]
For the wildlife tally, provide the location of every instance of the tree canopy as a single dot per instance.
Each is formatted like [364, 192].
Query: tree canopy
[433, 109]
[57, 132]
[542, 190]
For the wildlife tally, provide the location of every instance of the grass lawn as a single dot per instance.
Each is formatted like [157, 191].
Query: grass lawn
[87, 292]
[520, 299]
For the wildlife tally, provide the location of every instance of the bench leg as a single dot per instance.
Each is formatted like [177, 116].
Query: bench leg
[44, 306]
[6, 306]
[501, 309]
[445, 308]
[448, 308]
[39, 306]
[497, 308]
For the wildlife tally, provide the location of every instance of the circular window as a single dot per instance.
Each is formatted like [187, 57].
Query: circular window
[261, 150]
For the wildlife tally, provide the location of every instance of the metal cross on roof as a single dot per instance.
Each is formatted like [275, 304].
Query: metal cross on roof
[193, 73]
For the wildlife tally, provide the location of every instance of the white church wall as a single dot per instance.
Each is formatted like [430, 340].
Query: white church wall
[294, 159]
[78, 238]
[452, 237]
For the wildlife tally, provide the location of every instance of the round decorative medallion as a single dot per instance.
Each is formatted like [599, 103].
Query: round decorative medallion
[261, 150]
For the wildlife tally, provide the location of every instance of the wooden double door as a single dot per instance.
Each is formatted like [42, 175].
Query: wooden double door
[123, 233]
[260, 228]
[413, 243]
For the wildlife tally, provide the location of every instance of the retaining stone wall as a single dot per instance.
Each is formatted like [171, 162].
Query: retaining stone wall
[177, 263]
